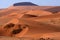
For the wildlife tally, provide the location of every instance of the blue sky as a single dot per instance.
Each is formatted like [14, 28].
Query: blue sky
[7, 3]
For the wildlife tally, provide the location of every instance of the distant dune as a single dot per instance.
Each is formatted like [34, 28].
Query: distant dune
[54, 9]
[25, 4]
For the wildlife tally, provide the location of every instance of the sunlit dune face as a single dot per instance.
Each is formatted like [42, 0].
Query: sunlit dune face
[14, 30]
[38, 12]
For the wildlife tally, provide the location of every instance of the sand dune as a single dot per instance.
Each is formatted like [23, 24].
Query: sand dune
[36, 29]
[38, 12]
[17, 22]
[49, 19]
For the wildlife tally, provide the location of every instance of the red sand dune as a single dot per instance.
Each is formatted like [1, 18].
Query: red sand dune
[38, 12]
[29, 23]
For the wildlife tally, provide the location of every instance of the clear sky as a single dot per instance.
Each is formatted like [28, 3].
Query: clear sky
[7, 3]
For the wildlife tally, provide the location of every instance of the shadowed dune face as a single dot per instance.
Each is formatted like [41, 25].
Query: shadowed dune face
[54, 9]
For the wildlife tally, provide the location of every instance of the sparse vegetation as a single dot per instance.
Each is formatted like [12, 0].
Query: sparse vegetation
[16, 31]
[10, 25]
[45, 39]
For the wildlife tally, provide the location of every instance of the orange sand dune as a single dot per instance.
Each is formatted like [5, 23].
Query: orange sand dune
[49, 19]
[34, 28]
[18, 14]
[38, 12]
[29, 23]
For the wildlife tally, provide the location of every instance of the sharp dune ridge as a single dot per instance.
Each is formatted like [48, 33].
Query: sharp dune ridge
[35, 23]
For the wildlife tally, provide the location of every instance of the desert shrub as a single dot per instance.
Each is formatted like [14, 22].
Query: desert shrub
[9, 25]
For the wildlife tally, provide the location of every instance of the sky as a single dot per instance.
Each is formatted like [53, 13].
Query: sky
[8, 3]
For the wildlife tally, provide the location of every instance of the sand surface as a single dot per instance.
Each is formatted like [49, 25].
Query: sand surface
[16, 24]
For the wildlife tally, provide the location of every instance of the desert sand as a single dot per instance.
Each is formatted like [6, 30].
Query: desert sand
[36, 24]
